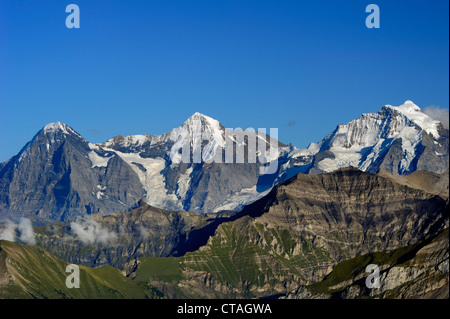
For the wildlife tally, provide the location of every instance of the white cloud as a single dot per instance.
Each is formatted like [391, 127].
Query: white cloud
[26, 233]
[9, 232]
[89, 231]
[438, 113]
[22, 232]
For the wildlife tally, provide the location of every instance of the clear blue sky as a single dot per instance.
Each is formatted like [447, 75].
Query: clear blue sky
[139, 67]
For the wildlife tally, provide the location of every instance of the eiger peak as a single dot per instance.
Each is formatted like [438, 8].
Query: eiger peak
[57, 127]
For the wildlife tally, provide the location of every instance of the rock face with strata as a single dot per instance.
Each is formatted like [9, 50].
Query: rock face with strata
[351, 212]
[426, 274]
[303, 228]
[118, 238]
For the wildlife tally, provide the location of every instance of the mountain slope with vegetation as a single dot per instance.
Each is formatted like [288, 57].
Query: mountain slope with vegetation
[31, 272]
[296, 235]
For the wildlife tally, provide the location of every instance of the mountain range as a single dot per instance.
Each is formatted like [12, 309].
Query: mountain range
[143, 220]
[60, 176]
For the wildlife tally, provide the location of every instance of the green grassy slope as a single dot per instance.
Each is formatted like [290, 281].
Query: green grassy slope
[31, 272]
[167, 269]
[233, 258]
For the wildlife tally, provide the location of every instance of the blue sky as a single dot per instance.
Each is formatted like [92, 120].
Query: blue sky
[139, 67]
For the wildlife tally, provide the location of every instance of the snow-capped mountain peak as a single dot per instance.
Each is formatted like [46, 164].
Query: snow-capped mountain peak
[206, 122]
[57, 127]
[392, 138]
[414, 114]
[51, 135]
[58, 131]
[198, 115]
[409, 106]
[127, 141]
[198, 128]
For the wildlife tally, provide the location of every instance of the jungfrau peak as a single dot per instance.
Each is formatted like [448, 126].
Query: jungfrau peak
[395, 138]
[415, 115]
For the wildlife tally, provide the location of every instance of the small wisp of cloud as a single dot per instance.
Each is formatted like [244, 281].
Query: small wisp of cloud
[89, 231]
[95, 131]
[22, 232]
[292, 123]
[438, 113]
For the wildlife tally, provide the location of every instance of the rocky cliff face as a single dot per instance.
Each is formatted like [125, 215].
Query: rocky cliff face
[415, 271]
[117, 238]
[306, 226]
[53, 178]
